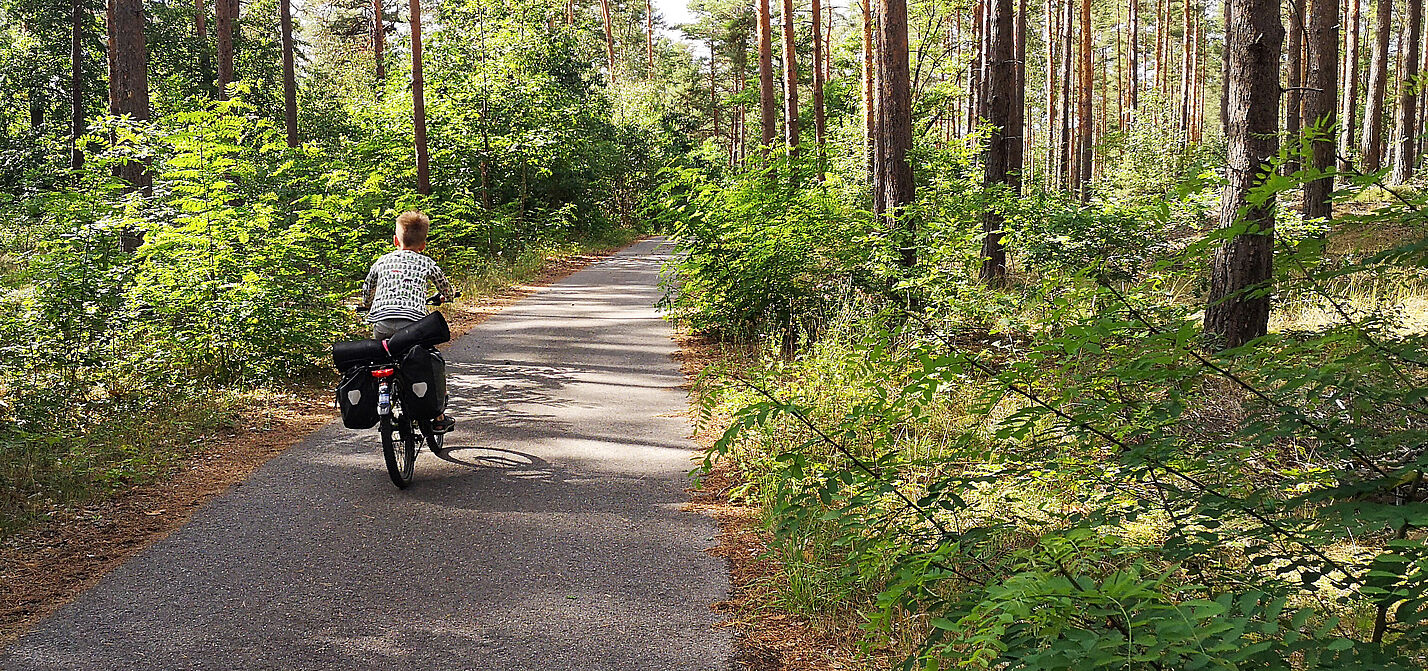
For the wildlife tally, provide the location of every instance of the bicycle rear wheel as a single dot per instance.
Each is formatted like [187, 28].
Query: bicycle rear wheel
[399, 448]
[436, 442]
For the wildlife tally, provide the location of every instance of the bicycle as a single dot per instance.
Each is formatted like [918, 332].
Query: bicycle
[402, 437]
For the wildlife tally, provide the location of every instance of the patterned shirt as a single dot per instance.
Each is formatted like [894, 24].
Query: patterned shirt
[396, 286]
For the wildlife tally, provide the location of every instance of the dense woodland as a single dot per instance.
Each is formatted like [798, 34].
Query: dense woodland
[1064, 335]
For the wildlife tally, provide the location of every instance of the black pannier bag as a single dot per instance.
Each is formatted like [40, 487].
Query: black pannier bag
[429, 331]
[357, 397]
[423, 383]
[346, 355]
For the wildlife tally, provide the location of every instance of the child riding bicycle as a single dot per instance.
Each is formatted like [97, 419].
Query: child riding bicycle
[395, 289]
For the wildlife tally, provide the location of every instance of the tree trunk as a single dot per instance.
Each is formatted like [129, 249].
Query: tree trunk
[379, 40]
[1238, 305]
[129, 82]
[76, 82]
[977, 71]
[1052, 63]
[1320, 102]
[1018, 163]
[1348, 105]
[609, 38]
[419, 104]
[1187, 67]
[1294, 82]
[894, 111]
[110, 54]
[1068, 157]
[285, 23]
[819, 122]
[768, 111]
[225, 18]
[1002, 101]
[200, 28]
[1120, 82]
[1406, 151]
[1085, 148]
[713, 87]
[649, 32]
[790, 79]
[1371, 141]
[1162, 11]
[1133, 60]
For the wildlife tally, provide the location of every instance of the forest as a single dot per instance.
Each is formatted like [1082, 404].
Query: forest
[1072, 334]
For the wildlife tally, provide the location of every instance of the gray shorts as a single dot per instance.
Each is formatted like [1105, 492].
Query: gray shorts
[381, 330]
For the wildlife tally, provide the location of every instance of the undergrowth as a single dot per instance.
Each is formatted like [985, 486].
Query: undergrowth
[1062, 473]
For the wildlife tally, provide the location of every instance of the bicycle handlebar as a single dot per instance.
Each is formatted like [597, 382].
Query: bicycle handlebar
[434, 300]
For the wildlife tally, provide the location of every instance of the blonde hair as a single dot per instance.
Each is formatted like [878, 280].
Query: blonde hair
[412, 227]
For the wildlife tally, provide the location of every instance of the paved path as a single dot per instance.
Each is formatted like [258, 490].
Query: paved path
[552, 536]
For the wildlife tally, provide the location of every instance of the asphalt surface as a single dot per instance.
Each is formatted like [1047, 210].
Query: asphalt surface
[551, 536]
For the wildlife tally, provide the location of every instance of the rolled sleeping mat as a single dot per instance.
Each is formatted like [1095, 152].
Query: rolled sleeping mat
[429, 331]
[347, 355]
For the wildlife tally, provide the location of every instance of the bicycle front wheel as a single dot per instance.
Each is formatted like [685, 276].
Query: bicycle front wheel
[399, 447]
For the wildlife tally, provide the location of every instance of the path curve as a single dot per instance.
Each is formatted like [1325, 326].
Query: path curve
[552, 536]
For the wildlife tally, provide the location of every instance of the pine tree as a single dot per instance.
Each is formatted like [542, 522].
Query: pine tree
[790, 80]
[894, 110]
[1238, 307]
[1002, 162]
[819, 123]
[379, 40]
[225, 22]
[1348, 105]
[1320, 101]
[76, 82]
[1371, 141]
[419, 104]
[285, 24]
[768, 116]
[1406, 148]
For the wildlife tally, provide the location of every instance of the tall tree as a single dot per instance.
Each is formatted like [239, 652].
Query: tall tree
[1349, 103]
[379, 40]
[768, 114]
[1053, 56]
[285, 25]
[1238, 305]
[713, 86]
[609, 37]
[419, 104]
[1187, 66]
[894, 109]
[1068, 43]
[649, 33]
[225, 21]
[819, 123]
[129, 91]
[1406, 150]
[870, 121]
[1321, 102]
[1003, 99]
[790, 80]
[76, 82]
[1162, 10]
[1133, 58]
[200, 28]
[1371, 142]
[1085, 142]
[1294, 79]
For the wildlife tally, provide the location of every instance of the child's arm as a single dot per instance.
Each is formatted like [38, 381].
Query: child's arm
[369, 287]
[443, 285]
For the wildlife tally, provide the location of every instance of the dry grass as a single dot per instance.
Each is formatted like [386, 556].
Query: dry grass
[765, 638]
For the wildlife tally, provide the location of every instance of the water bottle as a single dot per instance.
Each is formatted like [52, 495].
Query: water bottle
[384, 400]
